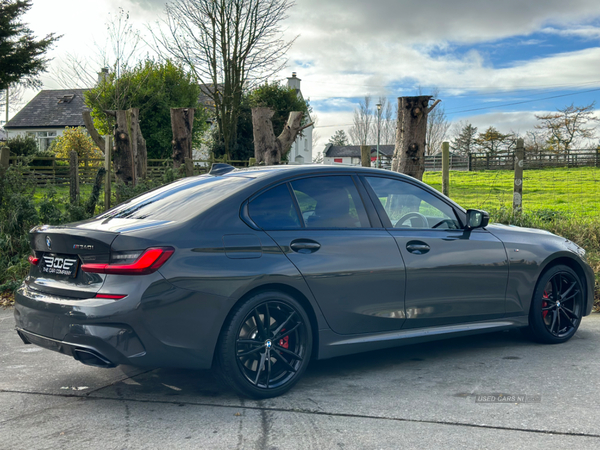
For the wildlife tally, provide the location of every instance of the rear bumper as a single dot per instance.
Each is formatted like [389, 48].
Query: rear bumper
[86, 354]
[157, 326]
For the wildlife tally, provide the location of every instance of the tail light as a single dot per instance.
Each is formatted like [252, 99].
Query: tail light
[133, 263]
[33, 260]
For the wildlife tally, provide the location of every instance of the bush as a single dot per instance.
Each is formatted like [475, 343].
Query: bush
[76, 139]
[22, 145]
[18, 214]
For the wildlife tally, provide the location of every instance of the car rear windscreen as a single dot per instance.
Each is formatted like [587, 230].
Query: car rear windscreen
[178, 201]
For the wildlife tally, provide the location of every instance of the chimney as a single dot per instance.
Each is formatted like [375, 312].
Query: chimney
[103, 75]
[294, 82]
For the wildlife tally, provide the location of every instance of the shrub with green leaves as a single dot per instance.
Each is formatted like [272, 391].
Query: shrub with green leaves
[17, 215]
[22, 145]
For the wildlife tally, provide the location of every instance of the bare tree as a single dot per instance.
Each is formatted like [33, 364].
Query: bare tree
[361, 132]
[315, 134]
[119, 53]
[388, 122]
[15, 96]
[569, 126]
[535, 141]
[437, 125]
[318, 158]
[230, 45]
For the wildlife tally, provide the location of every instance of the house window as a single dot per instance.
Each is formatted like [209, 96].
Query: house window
[44, 138]
[355, 160]
[337, 160]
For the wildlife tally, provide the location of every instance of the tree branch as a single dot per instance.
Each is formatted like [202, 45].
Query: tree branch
[89, 125]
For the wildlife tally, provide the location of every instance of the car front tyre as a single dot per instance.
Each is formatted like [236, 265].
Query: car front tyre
[557, 306]
[265, 346]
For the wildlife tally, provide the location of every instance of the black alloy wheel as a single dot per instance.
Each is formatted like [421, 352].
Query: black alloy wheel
[557, 306]
[266, 345]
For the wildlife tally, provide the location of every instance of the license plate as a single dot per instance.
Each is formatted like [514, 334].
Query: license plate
[59, 265]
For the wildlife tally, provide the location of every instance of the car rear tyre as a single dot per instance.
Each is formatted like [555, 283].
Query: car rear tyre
[265, 346]
[557, 306]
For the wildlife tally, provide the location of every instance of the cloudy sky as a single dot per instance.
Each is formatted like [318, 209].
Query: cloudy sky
[494, 62]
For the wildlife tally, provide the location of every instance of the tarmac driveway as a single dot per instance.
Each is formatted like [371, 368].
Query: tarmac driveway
[437, 395]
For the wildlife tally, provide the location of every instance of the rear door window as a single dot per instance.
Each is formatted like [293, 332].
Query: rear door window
[330, 202]
[274, 209]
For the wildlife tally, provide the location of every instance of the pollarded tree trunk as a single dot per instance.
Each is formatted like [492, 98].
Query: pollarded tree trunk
[122, 155]
[182, 124]
[138, 145]
[130, 155]
[411, 132]
[268, 148]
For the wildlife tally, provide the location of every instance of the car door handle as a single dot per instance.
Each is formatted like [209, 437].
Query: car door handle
[417, 247]
[305, 246]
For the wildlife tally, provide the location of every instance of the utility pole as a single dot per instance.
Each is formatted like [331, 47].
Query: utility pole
[6, 105]
[378, 132]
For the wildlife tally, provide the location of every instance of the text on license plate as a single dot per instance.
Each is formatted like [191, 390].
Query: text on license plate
[57, 265]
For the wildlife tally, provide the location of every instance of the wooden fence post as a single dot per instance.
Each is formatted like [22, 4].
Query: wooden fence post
[518, 187]
[108, 175]
[446, 169]
[365, 155]
[189, 167]
[74, 177]
[4, 157]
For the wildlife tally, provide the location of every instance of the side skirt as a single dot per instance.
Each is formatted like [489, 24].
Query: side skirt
[332, 344]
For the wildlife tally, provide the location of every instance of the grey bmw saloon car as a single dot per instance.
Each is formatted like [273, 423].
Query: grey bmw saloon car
[257, 271]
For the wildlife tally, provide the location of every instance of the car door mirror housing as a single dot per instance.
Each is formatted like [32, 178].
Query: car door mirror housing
[477, 218]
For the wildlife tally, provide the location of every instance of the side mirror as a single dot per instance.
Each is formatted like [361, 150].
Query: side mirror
[477, 219]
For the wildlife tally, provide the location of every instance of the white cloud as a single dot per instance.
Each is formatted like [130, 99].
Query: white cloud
[585, 32]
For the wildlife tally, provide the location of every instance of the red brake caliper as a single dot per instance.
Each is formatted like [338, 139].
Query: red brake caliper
[284, 342]
[544, 304]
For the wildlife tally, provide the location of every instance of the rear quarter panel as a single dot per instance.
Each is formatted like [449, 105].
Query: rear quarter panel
[212, 265]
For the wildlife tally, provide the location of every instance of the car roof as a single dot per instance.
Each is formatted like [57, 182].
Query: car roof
[297, 169]
[273, 173]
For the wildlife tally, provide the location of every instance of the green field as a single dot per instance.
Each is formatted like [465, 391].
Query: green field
[570, 191]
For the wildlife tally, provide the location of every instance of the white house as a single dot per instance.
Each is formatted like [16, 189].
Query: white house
[47, 115]
[301, 152]
[350, 154]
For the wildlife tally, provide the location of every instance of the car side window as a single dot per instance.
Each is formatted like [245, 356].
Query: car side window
[409, 206]
[274, 209]
[330, 202]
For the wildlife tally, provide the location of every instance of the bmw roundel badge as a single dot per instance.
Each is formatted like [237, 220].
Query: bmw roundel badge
[49, 242]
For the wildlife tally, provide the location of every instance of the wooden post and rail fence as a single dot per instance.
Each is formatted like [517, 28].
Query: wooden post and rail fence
[73, 170]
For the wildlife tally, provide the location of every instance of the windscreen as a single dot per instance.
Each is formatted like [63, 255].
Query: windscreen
[178, 201]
